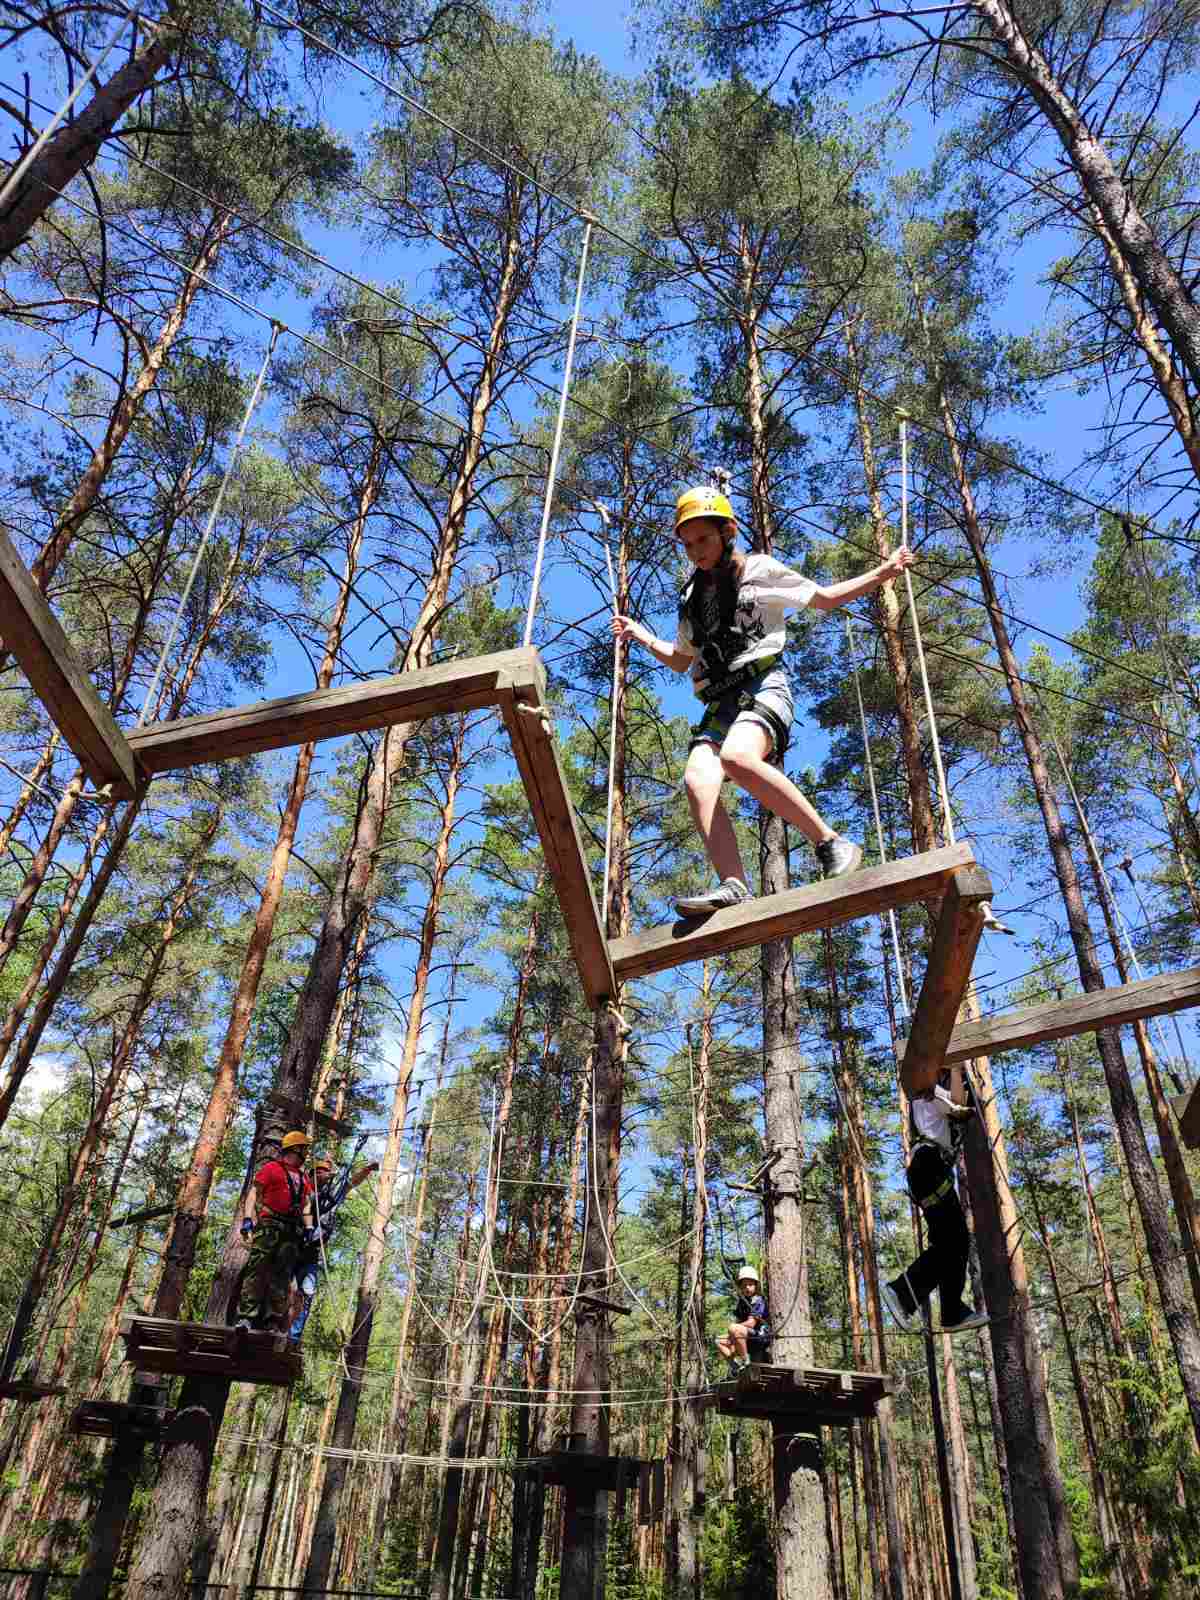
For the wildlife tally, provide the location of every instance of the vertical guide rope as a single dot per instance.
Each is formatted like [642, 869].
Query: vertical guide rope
[276, 330]
[588, 221]
[31, 155]
[862, 722]
[943, 791]
[612, 723]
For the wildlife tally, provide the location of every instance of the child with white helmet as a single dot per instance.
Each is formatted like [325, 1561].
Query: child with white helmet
[750, 1330]
[730, 636]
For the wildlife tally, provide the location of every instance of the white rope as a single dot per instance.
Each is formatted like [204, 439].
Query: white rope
[612, 721]
[943, 791]
[31, 155]
[558, 433]
[276, 330]
[862, 722]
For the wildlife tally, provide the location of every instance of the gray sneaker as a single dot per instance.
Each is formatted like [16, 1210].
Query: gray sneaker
[731, 893]
[838, 856]
[973, 1319]
[893, 1295]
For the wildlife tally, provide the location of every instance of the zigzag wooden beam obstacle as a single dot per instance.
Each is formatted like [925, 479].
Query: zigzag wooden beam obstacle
[33, 634]
[818, 905]
[513, 680]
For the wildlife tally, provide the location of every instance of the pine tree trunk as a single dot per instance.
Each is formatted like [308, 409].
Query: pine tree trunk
[320, 1559]
[39, 1275]
[129, 407]
[585, 1513]
[1157, 280]
[77, 143]
[28, 789]
[158, 1569]
[1170, 1274]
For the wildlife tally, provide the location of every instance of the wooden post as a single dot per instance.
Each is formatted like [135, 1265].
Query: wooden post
[585, 1517]
[946, 977]
[34, 635]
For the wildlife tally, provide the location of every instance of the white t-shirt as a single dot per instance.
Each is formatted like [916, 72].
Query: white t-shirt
[767, 590]
[932, 1121]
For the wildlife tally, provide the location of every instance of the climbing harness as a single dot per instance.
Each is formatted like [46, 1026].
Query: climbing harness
[276, 330]
[552, 474]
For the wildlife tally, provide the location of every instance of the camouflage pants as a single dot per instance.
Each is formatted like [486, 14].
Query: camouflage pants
[275, 1248]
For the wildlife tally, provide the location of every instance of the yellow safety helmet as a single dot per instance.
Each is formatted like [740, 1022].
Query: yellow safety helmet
[294, 1141]
[702, 502]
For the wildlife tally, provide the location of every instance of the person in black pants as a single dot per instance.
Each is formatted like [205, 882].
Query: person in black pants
[939, 1117]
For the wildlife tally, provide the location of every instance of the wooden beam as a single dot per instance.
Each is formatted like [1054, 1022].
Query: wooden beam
[450, 687]
[1187, 1109]
[818, 905]
[56, 675]
[527, 719]
[947, 974]
[1078, 1013]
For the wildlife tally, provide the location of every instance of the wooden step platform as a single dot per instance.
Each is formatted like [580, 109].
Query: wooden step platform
[110, 1419]
[28, 1390]
[822, 1396]
[205, 1349]
[619, 1475]
[865, 893]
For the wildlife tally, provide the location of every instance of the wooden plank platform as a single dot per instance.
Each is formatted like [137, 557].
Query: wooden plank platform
[823, 1396]
[947, 973]
[205, 1349]
[28, 1390]
[109, 1419]
[566, 1467]
[293, 719]
[524, 708]
[33, 633]
[865, 893]
[1078, 1013]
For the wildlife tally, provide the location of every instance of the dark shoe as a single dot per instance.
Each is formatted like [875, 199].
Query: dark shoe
[901, 1302]
[969, 1319]
[838, 857]
[731, 893]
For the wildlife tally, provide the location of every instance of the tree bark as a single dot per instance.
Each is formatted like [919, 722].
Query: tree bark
[320, 1559]
[1158, 281]
[77, 144]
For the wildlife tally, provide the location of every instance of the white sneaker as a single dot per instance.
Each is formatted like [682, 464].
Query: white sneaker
[973, 1319]
[730, 893]
[838, 856]
[890, 1296]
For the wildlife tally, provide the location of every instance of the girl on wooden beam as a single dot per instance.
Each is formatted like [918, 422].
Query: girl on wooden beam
[730, 636]
[938, 1118]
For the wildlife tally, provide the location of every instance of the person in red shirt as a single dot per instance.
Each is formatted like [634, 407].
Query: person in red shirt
[277, 1218]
